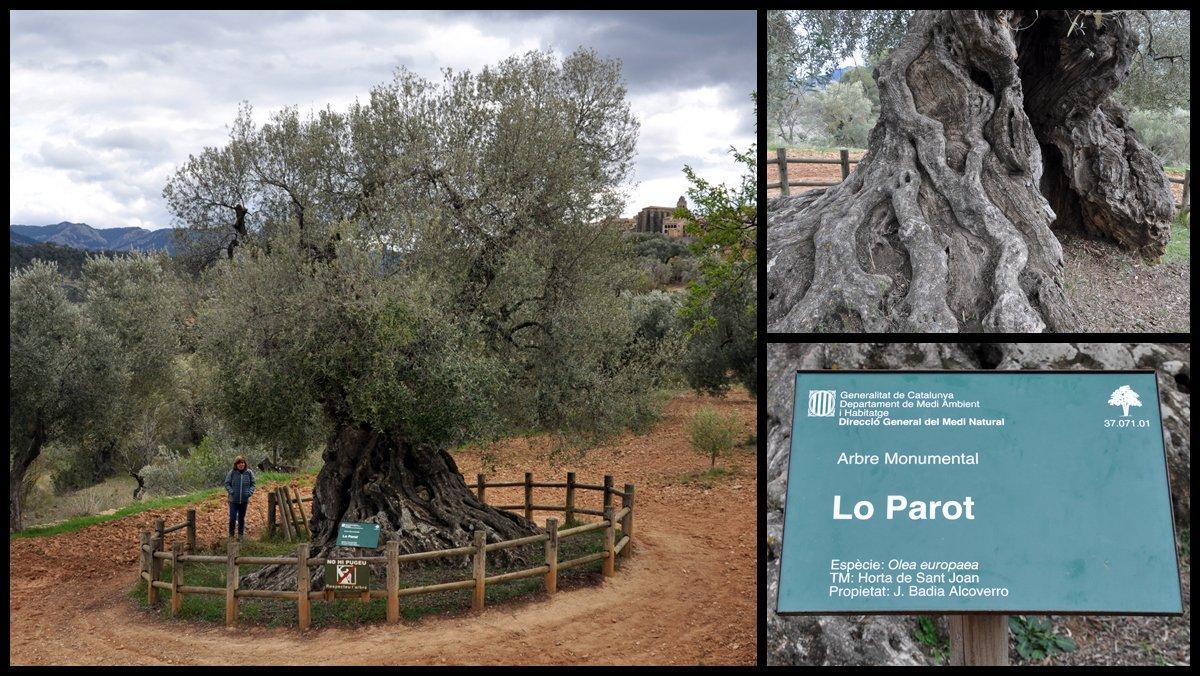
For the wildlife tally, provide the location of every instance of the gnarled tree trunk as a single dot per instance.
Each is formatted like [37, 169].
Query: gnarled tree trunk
[416, 494]
[995, 129]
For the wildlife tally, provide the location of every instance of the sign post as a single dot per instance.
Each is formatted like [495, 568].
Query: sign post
[978, 495]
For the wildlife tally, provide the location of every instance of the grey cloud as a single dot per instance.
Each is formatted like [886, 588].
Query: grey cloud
[127, 138]
[172, 79]
[64, 156]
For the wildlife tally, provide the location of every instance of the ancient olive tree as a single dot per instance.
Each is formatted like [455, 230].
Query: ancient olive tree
[996, 129]
[61, 374]
[135, 301]
[433, 266]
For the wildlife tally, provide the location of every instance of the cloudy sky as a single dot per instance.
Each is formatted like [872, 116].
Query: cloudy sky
[105, 105]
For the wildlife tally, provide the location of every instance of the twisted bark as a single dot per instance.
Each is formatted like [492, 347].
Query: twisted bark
[945, 225]
[416, 494]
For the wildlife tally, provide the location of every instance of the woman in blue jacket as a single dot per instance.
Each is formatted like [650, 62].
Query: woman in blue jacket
[239, 486]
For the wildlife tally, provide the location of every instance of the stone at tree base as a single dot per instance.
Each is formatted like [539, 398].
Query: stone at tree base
[887, 639]
[945, 225]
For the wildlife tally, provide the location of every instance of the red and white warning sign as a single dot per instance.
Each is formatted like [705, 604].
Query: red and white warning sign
[351, 574]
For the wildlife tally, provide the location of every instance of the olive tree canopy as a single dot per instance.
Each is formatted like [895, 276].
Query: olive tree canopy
[434, 265]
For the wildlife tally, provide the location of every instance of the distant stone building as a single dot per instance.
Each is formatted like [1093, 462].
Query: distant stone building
[660, 220]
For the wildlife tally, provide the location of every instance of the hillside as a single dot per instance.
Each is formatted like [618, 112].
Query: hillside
[69, 259]
[84, 236]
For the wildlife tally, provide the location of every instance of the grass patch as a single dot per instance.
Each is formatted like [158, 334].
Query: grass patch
[1175, 170]
[710, 477]
[1179, 247]
[81, 522]
[210, 609]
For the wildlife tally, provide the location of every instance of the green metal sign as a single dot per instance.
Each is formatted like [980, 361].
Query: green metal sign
[979, 491]
[352, 534]
[351, 574]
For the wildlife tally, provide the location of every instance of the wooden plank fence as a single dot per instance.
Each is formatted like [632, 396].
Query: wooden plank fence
[285, 513]
[153, 553]
[782, 160]
[1185, 204]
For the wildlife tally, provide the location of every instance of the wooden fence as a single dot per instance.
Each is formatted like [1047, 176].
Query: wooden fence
[1185, 205]
[153, 553]
[161, 530]
[782, 160]
[289, 505]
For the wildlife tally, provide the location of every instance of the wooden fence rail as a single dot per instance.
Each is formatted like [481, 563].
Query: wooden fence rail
[782, 160]
[153, 553]
[161, 530]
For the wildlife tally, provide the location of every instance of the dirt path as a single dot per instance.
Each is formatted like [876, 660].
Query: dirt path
[686, 596]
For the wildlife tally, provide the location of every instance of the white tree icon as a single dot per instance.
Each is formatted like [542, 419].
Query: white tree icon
[1124, 397]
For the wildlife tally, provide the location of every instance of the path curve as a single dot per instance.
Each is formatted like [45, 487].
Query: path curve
[686, 596]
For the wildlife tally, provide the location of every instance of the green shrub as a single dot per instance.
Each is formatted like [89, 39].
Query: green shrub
[654, 316]
[204, 467]
[1036, 639]
[165, 475]
[1167, 134]
[712, 433]
[846, 114]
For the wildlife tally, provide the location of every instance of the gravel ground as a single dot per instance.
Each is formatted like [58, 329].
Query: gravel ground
[1115, 292]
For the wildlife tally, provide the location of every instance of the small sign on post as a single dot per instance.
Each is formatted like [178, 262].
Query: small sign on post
[347, 574]
[352, 534]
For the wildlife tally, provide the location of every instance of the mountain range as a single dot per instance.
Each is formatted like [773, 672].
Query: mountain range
[84, 236]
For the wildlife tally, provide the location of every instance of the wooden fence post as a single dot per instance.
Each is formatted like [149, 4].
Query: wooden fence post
[176, 577]
[610, 539]
[289, 527]
[1187, 194]
[845, 156]
[627, 520]
[270, 514]
[156, 544]
[231, 582]
[393, 581]
[608, 496]
[781, 158]
[482, 488]
[480, 568]
[303, 609]
[300, 509]
[552, 555]
[142, 547]
[160, 527]
[529, 496]
[191, 531]
[570, 516]
[978, 640]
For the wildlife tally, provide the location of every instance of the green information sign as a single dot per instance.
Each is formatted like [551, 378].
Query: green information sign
[351, 574]
[978, 491]
[351, 534]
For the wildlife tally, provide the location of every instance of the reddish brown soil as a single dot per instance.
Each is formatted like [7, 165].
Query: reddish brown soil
[808, 172]
[686, 596]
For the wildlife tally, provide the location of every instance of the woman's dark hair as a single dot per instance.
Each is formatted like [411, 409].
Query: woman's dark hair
[241, 459]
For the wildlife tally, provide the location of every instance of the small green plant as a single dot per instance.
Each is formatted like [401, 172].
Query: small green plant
[927, 634]
[1180, 244]
[1036, 639]
[712, 433]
